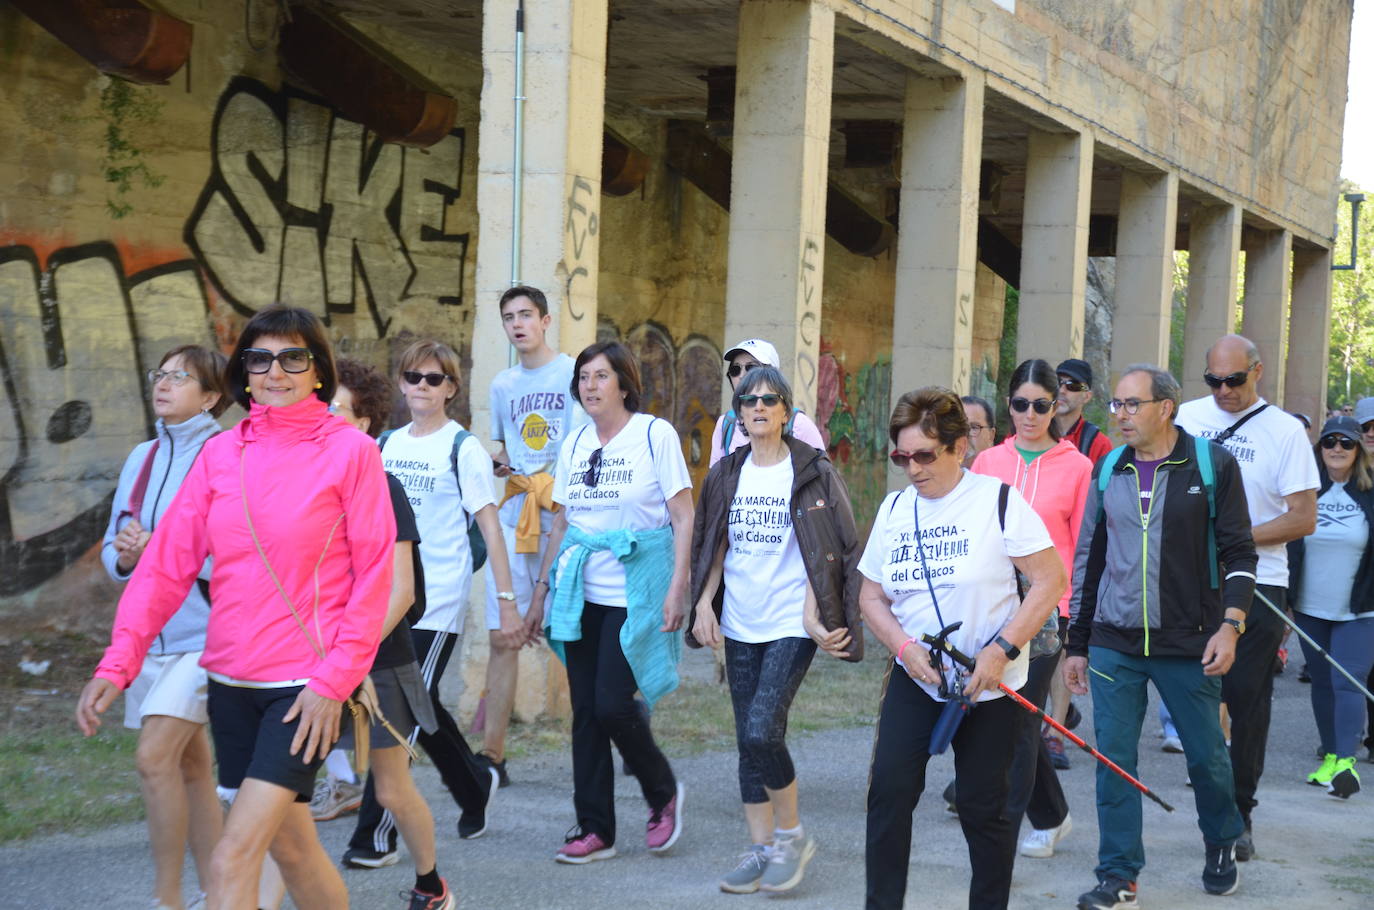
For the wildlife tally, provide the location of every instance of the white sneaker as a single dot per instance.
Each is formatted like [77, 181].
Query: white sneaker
[334, 797]
[1172, 744]
[1039, 844]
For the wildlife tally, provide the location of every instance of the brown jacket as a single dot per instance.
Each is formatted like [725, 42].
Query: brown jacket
[824, 525]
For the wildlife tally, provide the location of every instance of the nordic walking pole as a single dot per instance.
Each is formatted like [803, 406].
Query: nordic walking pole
[940, 643]
[1316, 647]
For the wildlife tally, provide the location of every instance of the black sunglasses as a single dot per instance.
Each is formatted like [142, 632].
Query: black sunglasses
[900, 458]
[434, 379]
[737, 368]
[1073, 385]
[1330, 442]
[292, 360]
[1041, 405]
[593, 475]
[748, 401]
[1235, 380]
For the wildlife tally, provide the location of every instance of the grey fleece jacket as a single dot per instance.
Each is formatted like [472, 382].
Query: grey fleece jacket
[177, 449]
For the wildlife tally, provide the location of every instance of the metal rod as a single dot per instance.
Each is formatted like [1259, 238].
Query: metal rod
[518, 162]
[941, 643]
[1354, 199]
[1314, 646]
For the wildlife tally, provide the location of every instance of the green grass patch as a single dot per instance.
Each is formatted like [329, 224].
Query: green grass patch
[63, 782]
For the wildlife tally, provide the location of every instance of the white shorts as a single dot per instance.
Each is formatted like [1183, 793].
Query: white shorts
[524, 570]
[170, 684]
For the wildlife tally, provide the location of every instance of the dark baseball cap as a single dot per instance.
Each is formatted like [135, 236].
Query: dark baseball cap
[1341, 426]
[1076, 369]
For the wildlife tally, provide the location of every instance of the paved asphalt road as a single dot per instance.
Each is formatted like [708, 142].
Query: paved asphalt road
[1314, 852]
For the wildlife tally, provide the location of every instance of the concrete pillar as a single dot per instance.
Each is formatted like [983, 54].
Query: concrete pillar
[1309, 335]
[1264, 319]
[565, 92]
[1054, 246]
[937, 244]
[778, 182]
[1213, 261]
[1144, 270]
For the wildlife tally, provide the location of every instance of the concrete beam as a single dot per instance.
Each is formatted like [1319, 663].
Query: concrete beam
[1054, 246]
[1144, 270]
[937, 250]
[784, 62]
[1264, 318]
[1309, 335]
[1213, 262]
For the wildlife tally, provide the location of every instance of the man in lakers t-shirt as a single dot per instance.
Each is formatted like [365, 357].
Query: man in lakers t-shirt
[532, 411]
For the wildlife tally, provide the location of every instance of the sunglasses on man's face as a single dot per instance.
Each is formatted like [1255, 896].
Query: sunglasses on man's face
[900, 458]
[1330, 442]
[1235, 380]
[1020, 405]
[748, 401]
[593, 475]
[434, 379]
[738, 369]
[1073, 385]
[292, 360]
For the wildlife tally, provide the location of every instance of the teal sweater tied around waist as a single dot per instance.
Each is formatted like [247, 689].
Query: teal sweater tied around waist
[648, 560]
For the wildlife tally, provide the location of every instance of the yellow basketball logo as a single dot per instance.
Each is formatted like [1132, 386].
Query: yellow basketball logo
[535, 431]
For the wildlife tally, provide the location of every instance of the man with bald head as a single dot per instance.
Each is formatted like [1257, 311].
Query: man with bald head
[1279, 473]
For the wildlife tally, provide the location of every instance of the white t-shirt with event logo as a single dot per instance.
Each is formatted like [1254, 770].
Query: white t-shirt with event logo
[969, 558]
[423, 465]
[1275, 459]
[532, 412]
[765, 578]
[636, 479]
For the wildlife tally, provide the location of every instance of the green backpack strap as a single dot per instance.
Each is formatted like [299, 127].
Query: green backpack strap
[477, 544]
[1203, 449]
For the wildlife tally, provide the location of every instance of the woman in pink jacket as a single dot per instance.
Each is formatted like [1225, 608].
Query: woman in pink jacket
[292, 506]
[1054, 478]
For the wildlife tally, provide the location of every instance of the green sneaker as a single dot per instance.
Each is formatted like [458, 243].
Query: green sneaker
[1322, 776]
[1345, 783]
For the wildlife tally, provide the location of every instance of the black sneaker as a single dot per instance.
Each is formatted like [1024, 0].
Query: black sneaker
[500, 767]
[1110, 894]
[1221, 875]
[1345, 783]
[948, 797]
[472, 824]
[359, 858]
[1245, 845]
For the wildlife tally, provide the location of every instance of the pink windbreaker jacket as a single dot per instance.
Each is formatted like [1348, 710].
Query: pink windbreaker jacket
[305, 470]
[1056, 486]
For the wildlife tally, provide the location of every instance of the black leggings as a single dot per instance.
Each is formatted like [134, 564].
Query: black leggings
[764, 678]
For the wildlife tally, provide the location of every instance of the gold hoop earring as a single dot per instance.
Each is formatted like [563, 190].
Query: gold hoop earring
[319, 385]
[248, 388]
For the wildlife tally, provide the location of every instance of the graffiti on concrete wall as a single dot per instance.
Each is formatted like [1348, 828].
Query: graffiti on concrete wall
[79, 332]
[306, 206]
[682, 383]
[852, 410]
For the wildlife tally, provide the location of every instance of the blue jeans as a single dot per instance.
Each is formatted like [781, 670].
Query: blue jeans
[1337, 705]
[1119, 701]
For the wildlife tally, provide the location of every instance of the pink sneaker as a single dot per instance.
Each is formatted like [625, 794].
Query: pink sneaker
[665, 825]
[587, 848]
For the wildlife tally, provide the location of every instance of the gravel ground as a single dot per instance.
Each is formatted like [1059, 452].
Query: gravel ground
[1313, 851]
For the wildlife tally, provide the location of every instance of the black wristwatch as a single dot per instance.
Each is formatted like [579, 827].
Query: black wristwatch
[1237, 624]
[1013, 652]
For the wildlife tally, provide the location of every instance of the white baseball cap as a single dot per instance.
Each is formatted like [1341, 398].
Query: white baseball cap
[757, 348]
[1364, 409]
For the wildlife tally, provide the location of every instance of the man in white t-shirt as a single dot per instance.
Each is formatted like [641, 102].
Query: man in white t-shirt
[532, 411]
[1280, 478]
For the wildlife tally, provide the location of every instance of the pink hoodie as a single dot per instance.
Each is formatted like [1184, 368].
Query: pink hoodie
[1056, 486]
[304, 470]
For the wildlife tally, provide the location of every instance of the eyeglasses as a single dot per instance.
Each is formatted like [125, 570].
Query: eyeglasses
[336, 408]
[1042, 405]
[434, 379]
[1130, 405]
[1330, 442]
[1235, 380]
[900, 458]
[748, 401]
[1073, 385]
[975, 428]
[737, 368]
[175, 377]
[292, 360]
[593, 475]
[1367, 426]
